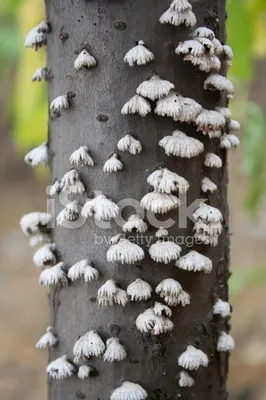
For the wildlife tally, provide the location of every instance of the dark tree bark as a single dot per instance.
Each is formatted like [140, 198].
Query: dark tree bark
[110, 29]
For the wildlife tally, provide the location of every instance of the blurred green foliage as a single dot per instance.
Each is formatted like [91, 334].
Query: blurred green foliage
[246, 28]
[242, 278]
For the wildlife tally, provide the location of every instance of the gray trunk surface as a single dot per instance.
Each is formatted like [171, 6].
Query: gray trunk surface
[110, 28]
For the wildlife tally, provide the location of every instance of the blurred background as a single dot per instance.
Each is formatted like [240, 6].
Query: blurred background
[24, 126]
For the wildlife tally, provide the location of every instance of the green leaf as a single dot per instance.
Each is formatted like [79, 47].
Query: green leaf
[240, 38]
[254, 164]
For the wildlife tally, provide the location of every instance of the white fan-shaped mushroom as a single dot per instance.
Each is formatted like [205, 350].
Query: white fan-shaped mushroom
[222, 308]
[193, 358]
[129, 391]
[139, 55]
[61, 368]
[81, 157]
[179, 144]
[49, 339]
[125, 252]
[115, 351]
[135, 223]
[139, 290]
[84, 60]
[213, 161]
[159, 203]
[194, 261]
[37, 156]
[225, 342]
[113, 164]
[165, 181]
[155, 88]
[54, 276]
[137, 105]
[45, 256]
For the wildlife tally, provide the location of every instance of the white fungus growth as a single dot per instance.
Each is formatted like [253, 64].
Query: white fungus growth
[155, 88]
[84, 371]
[193, 47]
[218, 47]
[168, 287]
[228, 52]
[49, 339]
[69, 214]
[113, 164]
[229, 141]
[183, 298]
[81, 157]
[222, 308]
[83, 269]
[165, 181]
[54, 276]
[121, 297]
[161, 310]
[84, 60]
[180, 145]
[139, 290]
[190, 109]
[169, 106]
[71, 183]
[130, 144]
[129, 391]
[45, 256]
[208, 225]
[135, 224]
[115, 351]
[207, 185]
[192, 359]
[54, 188]
[234, 126]
[154, 321]
[146, 320]
[137, 105]
[213, 161]
[61, 368]
[59, 103]
[91, 273]
[139, 55]
[102, 208]
[162, 325]
[37, 156]
[194, 261]
[210, 123]
[35, 223]
[39, 74]
[37, 37]
[220, 83]
[225, 111]
[180, 5]
[208, 213]
[159, 203]
[203, 32]
[225, 342]
[185, 379]
[77, 270]
[40, 238]
[106, 293]
[174, 17]
[161, 232]
[110, 293]
[164, 251]
[205, 62]
[89, 345]
[123, 251]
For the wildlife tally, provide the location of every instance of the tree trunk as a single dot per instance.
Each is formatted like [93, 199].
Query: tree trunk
[110, 29]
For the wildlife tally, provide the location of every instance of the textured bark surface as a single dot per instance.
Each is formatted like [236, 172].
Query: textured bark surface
[110, 28]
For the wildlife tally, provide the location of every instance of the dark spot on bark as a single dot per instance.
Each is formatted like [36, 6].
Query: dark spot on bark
[139, 266]
[133, 360]
[102, 118]
[78, 20]
[120, 25]
[101, 10]
[63, 36]
[114, 329]
[94, 24]
[71, 95]
[94, 373]
[80, 395]
[93, 299]
[55, 114]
